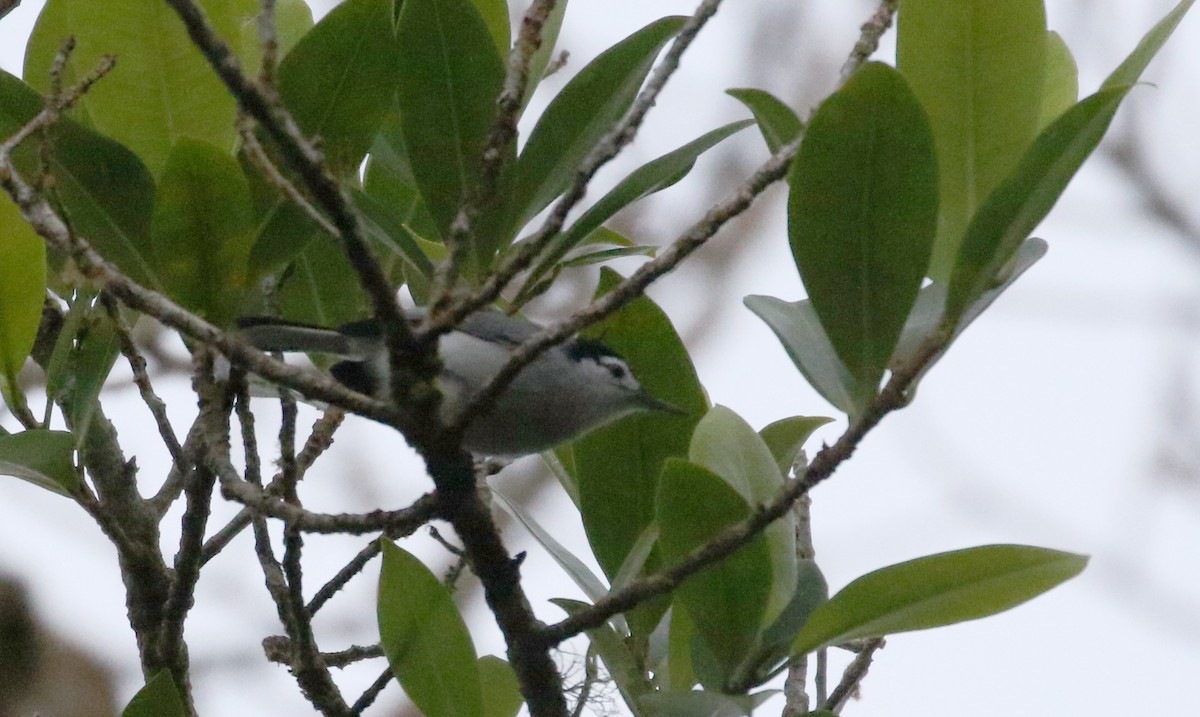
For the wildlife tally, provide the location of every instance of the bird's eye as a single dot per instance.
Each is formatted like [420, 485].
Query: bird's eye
[617, 371]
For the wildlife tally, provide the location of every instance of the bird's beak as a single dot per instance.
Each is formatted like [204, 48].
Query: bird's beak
[650, 403]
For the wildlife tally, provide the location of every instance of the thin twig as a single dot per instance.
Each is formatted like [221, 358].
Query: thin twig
[278, 649]
[269, 41]
[852, 677]
[258, 155]
[868, 39]
[371, 693]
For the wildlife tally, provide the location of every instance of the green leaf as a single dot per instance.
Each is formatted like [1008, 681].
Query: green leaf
[1130, 71]
[937, 590]
[704, 704]
[41, 457]
[862, 215]
[777, 122]
[501, 691]
[390, 180]
[726, 445]
[450, 76]
[978, 68]
[796, 326]
[1026, 197]
[22, 289]
[425, 639]
[320, 287]
[926, 316]
[102, 186]
[654, 176]
[338, 80]
[727, 602]
[159, 698]
[582, 113]
[293, 19]
[495, 16]
[618, 465]
[785, 438]
[394, 247]
[776, 642]
[84, 354]
[159, 91]
[203, 228]
[1061, 89]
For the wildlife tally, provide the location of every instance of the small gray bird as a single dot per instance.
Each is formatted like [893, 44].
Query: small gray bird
[569, 390]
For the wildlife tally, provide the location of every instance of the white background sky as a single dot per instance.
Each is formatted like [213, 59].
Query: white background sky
[1046, 424]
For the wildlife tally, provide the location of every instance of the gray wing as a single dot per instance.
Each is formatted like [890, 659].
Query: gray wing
[495, 327]
[271, 334]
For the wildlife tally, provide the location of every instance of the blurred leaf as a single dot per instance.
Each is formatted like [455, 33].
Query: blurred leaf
[582, 113]
[293, 18]
[159, 91]
[681, 675]
[389, 179]
[796, 326]
[704, 704]
[777, 122]
[618, 465]
[425, 639]
[726, 445]
[785, 438]
[602, 255]
[41, 457]
[102, 186]
[390, 237]
[22, 289]
[636, 560]
[501, 691]
[862, 215]
[584, 578]
[450, 76]
[159, 698]
[321, 287]
[83, 357]
[495, 16]
[1016, 207]
[728, 600]
[937, 590]
[978, 68]
[654, 176]
[776, 642]
[337, 81]
[203, 229]
[1062, 80]
[1130, 71]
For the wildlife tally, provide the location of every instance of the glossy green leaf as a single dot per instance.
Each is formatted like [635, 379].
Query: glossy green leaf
[159, 698]
[338, 80]
[727, 602]
[785, 437]
[796, 326]
[582, 113]
[619, 661]
[654, 176]
[777, 122]
[102, 186]
[978, 67]
[618, 465]
[580, 574]
[862, 215]
[1016, 207]
[41, 457]
[495, 16]
[450, 76]
[159, 91]
[22, 288]
[501, 691]
[203, 228]
[425, 639]
[1130, 71]
[1061, 89]
[726, 445]
[704, 704]
[937, 590]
